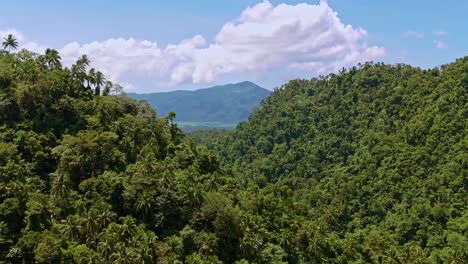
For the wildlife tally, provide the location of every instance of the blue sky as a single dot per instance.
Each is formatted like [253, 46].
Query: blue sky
[421, 33]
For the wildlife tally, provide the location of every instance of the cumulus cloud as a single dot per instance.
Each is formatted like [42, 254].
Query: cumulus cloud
[304, 36]
[116, 57]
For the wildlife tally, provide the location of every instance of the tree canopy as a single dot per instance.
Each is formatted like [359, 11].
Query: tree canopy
[376, 155]
[365, 166]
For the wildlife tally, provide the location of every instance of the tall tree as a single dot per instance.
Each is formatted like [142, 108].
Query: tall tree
[52, 58]
[98, 81]
[59, 190]
[107, 88]
[91, 77]
[10, 42]
[79, 69]
[83, 61]
[81, 64]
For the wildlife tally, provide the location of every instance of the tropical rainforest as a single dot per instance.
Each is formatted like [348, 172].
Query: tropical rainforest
[369, 165]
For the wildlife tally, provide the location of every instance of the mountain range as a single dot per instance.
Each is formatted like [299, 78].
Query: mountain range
[219, 106]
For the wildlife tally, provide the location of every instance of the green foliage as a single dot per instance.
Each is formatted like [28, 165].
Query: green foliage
[368, 166]
[85, 177]
[377, 155]
[48, 250]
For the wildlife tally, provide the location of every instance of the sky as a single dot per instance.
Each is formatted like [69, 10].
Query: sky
[152, 46]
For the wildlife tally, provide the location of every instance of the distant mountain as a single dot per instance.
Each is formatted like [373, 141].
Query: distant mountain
[218, 106]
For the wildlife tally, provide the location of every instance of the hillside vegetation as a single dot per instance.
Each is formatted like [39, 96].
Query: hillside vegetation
[91, 177]
[219, 106]
[376, 154]
[368, 166]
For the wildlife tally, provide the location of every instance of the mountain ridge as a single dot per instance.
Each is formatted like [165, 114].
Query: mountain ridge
[226, 104]
[220, 86]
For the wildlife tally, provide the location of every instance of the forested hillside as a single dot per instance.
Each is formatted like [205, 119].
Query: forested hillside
[368, 166]
[97, 177]
[219, 106]
[377, 154]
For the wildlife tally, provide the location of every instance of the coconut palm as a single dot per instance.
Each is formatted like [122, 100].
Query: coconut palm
[71, 228]
[10, 42]
[59, 188]
[59, 191]
[52, 58]
[98, 81]
[91, 77]
[107, 240]
[213, 182]
[90, 226]
[120, 254]
[127, 229]
[79, 68]
[81, 64]
[144, 204]
[105, 218]
[83, 61]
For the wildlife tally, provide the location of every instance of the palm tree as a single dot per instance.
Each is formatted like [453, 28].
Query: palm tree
[59, 189]
[120, 255]
[10, 42]
[52, 58]
[107, 240]
[315, 247]
[213, 182]
[59, 193]
[71, 228]
[83, 61]
[107, 88]
[286, 239]
[79, 68]
[91, 77]
[143, 255]
[127, 229]
[144, 204]
[105, 218]
[90, 225]
[154, 245]
[98, 81]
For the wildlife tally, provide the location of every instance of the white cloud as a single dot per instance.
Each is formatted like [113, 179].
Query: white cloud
[129, 87]
[24, 43]
[303, 36]
[414, 34]
[18, 35]
[115, 57]
[440, 44]
[309, 37]
[439, 33]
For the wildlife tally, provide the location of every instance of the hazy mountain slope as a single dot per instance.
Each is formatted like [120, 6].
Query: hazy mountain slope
[228, 104]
